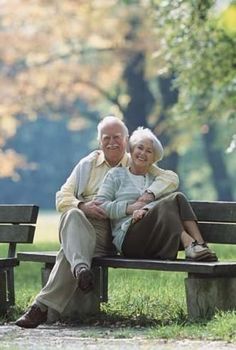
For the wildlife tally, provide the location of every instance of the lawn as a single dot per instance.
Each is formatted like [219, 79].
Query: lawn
[151, 301]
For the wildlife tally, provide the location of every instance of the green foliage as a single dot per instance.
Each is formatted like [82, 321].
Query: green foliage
[202, 55]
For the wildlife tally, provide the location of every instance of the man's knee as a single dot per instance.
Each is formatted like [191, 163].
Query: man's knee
[71, 213]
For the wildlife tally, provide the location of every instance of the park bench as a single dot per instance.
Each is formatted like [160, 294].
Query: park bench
[209, 286]
[15, 227]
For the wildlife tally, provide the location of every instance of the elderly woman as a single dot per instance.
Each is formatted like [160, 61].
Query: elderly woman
[155, 230]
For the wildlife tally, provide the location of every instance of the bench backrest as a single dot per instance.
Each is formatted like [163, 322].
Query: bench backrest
[217, 221]
[16, 225]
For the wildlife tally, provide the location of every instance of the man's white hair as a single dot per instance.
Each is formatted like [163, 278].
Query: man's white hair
[114, 120]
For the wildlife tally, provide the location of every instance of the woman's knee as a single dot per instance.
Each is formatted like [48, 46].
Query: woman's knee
[181, 195]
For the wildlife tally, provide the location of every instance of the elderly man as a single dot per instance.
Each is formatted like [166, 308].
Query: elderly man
[84, 228]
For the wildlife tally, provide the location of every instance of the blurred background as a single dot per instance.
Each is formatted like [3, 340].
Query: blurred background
[166, 65]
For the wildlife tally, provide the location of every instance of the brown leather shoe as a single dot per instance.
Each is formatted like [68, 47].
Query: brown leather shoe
[32, 318]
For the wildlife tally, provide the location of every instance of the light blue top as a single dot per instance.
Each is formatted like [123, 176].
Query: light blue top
[119, 189]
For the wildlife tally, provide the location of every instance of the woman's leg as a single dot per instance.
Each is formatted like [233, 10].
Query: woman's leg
[191, 238]
[171, 219]
[192, 229]
[155, 236]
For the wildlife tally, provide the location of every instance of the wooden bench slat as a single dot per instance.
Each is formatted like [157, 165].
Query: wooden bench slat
[17, 233]
[218, 233]
[220, 268]
[9, 262]
[44, 257]
[17, 213]
[215, 211]
[224, 268]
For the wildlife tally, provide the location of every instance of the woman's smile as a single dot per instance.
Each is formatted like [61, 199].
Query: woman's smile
[142, 156]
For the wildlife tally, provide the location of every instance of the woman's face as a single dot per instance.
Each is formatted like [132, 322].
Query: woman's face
[143, 154]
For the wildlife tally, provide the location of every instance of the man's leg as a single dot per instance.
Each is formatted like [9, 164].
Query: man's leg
[78, 239]
[104, 245]
[89, 303]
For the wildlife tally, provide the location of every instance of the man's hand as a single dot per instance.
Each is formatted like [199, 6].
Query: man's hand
[146, 198]
[93, 210]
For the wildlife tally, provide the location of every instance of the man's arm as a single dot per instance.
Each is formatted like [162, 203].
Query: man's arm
[70, 194]
[65, 197]
[166, 181]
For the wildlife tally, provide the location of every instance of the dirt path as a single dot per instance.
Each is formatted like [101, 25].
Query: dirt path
[73, 338]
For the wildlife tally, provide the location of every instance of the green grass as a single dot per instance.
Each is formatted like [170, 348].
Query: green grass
[150, 302]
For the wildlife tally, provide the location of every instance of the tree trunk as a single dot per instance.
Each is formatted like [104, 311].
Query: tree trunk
[169, 98]
[215, 158]
[141, 99]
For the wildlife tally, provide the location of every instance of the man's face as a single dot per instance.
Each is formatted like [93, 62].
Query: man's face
[113, 142]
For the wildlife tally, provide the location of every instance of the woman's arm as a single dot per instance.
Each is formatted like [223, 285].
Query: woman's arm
[107, 193]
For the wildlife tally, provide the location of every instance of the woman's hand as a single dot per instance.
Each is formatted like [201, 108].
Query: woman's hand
[138, 215]
[131, 208]
[140, 202]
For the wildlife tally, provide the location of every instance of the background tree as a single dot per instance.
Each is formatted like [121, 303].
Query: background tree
[75, 61]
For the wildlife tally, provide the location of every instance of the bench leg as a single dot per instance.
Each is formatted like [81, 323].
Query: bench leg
[82, 304]
[45, 272]
[103, 273]
[3, 293]
[11, 286]
[204, 296]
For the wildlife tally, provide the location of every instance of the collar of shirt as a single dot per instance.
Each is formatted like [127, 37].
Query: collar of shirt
[101, 159]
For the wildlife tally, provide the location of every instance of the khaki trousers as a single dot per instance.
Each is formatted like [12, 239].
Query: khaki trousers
[81, 240]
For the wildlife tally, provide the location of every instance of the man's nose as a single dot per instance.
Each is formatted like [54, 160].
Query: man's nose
[112, 139]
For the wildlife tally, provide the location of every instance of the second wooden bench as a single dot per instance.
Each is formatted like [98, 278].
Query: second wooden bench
[16, 226]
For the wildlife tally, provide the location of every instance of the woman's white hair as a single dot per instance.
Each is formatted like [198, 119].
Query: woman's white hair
[140, 134]
[108, 120]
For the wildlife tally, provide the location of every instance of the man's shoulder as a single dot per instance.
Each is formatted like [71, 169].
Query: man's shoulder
[90, 157]
[157, 171]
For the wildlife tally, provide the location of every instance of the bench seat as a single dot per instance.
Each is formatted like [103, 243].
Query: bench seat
[222, 268]
[209, 286]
